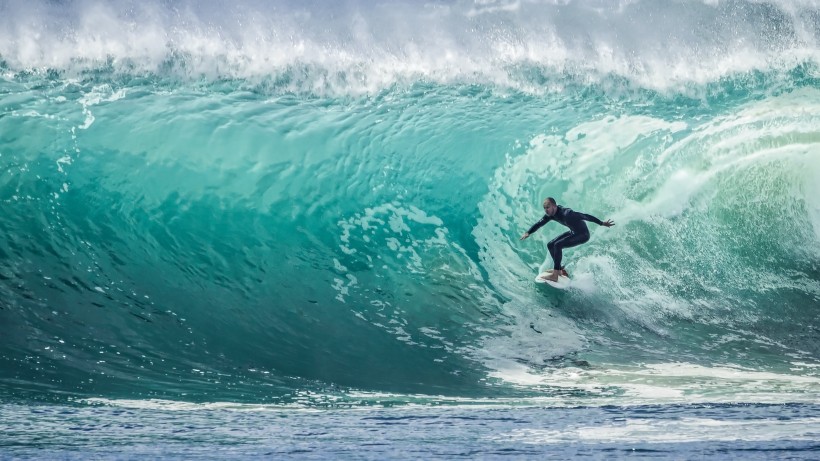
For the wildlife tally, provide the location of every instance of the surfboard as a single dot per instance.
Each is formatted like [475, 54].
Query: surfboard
[562, 284]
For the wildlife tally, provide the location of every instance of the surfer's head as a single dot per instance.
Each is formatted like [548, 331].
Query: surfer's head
[550, 207]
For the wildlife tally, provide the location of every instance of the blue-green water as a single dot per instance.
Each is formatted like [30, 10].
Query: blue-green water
[312, 207]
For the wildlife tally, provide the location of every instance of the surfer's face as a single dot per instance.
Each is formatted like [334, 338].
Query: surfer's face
[549, 208]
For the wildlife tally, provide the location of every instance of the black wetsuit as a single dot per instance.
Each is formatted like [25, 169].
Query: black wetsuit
[577, 234]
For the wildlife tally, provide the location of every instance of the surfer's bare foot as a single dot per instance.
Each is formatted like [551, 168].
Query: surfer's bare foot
[553, 277]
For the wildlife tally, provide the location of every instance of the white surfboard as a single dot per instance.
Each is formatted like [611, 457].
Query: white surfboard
[562, 284]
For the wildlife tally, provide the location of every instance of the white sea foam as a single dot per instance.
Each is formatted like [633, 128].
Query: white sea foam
[667, 383]
[352, 46]
[674, 431]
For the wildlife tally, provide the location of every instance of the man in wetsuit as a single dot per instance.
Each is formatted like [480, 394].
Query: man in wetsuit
[578, 232]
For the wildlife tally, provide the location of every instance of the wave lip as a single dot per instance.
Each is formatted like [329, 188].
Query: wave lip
[352, 47]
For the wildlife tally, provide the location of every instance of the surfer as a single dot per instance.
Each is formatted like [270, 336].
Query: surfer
[577, 234]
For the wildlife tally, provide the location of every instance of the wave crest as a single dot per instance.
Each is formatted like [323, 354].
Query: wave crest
[356, 48]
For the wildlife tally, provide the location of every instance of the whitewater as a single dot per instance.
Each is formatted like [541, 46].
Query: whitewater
[292, 229]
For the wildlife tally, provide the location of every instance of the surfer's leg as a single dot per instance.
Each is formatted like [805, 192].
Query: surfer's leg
[553, 242]
[569, 241]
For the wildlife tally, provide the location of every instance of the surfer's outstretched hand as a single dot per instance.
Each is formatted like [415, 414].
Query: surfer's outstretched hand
[608, 223]
[526, 234]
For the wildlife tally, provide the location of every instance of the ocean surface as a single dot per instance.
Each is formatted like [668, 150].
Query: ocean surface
[291, 229]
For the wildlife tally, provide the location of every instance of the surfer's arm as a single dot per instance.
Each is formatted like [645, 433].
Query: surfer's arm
[536, 226]
[590, 218]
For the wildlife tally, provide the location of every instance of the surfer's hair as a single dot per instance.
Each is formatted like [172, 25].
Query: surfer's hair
[549, 200]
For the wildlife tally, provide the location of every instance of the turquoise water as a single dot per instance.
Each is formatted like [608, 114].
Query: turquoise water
[297, 207]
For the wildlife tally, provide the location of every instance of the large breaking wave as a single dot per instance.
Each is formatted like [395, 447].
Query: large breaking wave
[274, 202]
